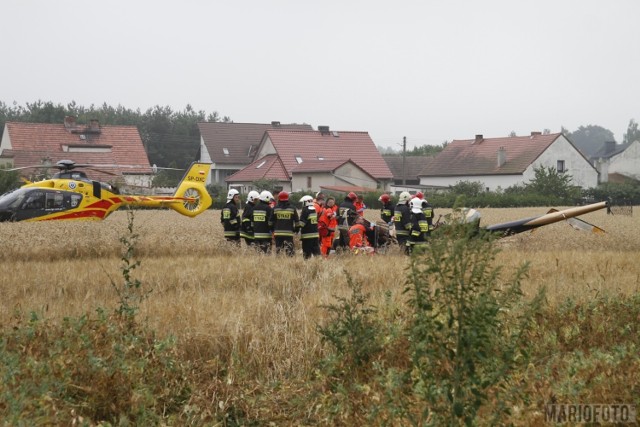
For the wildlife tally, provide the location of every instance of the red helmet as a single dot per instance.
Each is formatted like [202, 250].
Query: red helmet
[352, 196]
[283, 196]
[419, 195]
[385, 198]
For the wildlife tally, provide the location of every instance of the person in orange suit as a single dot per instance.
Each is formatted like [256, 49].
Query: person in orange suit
[327, 224]
[358, 237]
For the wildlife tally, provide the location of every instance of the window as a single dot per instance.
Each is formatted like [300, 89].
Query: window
[320, 157]
[309, 182]
[54, 201]
[560, 166]
[298, 158]
[225, 151]
[261, 164]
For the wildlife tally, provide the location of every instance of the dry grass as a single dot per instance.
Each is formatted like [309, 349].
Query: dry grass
[203, 288]
[222, 303]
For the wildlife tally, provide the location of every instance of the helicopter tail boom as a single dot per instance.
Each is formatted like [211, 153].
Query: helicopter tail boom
[190, 199]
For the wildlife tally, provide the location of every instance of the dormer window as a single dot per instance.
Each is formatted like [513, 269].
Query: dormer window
[298, 158]
[225, 151]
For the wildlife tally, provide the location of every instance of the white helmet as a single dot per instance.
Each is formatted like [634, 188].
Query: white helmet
[266, 196]
[416, 205]
[232, 193]
[404, 197]
[253, 196]
[306, 200]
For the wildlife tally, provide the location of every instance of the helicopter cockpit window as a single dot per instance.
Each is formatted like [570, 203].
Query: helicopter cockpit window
[54, 201]
[35, 200]
[75, 200]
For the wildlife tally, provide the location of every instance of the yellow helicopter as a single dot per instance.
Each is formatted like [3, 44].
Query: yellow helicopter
[71, 195]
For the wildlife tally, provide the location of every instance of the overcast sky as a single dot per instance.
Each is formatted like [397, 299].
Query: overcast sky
[428, 70]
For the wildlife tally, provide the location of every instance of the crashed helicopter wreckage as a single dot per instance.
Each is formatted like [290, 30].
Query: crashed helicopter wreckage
[381, 235]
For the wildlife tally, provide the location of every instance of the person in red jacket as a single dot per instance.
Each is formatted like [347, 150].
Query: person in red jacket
[359, 204]
[327, 224]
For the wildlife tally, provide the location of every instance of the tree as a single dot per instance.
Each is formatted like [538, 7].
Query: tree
[387, 150]
[427, 150]
[8, 180]
[271, 185]
[633, 133]
[589, 139]
[467, 188]
[549, 183]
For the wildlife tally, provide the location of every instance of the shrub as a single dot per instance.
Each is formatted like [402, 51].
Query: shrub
[469, 327]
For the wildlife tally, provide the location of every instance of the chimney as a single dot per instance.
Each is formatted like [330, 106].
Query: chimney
[609, 147]
[275, 124]
[478, 139]
[94, 125]
[69, 122]
[535, 133]
[502, 156]
[324, 130]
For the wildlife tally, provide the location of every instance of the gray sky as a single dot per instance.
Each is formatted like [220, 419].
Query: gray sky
[428, 70]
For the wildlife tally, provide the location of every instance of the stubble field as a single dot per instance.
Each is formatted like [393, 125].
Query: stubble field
[228, 305]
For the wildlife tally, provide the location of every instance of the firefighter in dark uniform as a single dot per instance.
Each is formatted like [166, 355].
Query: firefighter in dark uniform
[285, 221]
[419, 226]
[246, 228]
[309, 228]
[402, 219]
[230, 217]
[261, 223]
[386, 212]
[429, 213]
[346, 218]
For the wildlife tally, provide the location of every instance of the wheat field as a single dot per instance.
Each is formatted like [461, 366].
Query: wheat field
[217, 299]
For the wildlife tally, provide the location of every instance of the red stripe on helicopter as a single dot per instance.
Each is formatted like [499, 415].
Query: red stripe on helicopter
[102, 204]
[81, 214]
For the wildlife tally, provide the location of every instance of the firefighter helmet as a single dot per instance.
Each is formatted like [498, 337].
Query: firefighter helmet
[266, 196]
[404, 197]
[352, 196]
[384, 198]
[283, 196]
[253, 196]
[306, 201]
[231, 194]
[419, 195]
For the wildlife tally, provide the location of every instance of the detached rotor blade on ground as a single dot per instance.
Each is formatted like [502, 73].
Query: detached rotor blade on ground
[551, 217]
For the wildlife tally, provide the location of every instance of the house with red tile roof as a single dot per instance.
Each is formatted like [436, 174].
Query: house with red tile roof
[31, 144]
[230, 147]
[314, 159]
[504, 162]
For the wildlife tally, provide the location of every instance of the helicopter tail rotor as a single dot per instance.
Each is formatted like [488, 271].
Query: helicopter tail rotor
[193, 189]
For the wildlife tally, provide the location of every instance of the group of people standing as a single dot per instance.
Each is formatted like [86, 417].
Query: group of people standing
[412, 218]
[323, 225]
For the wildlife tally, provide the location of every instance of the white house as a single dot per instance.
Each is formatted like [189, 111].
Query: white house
[622, 160]
[507, 161]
